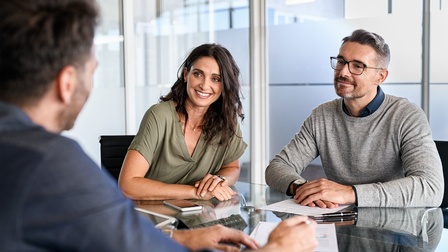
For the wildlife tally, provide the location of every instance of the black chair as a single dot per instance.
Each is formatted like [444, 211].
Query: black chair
[113, 149]
[442, 147]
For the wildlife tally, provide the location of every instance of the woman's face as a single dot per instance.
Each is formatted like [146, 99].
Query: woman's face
[204, 85]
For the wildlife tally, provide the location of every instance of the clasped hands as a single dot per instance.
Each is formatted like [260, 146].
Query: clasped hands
[213, 186]
[324, 193]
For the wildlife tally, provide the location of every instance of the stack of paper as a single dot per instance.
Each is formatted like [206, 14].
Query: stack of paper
[291, 206]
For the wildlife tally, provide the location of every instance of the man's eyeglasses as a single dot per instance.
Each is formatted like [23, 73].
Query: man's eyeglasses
[354, 67]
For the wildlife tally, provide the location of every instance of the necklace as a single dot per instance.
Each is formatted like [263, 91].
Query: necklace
[194, 128]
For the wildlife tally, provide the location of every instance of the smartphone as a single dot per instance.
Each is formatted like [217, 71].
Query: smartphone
[182, 205]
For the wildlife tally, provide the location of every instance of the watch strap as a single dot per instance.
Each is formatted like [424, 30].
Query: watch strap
[296, 185]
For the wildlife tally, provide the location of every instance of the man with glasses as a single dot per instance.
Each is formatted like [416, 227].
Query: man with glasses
[376, 149]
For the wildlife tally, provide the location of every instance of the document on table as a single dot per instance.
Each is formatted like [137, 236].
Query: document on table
[290, 206]
[325, 235]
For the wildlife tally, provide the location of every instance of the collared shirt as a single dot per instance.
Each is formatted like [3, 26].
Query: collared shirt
[372, 106]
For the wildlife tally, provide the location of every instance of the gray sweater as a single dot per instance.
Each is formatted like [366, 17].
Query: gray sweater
[388, 156]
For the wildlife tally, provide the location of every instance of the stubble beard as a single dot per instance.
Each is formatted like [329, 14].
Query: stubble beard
[68, 116]
[346, 94]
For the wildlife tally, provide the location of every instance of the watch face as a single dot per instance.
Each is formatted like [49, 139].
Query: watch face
[300, 181]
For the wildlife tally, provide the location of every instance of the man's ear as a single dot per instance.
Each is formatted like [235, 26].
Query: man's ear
[66, 82]
[382, 76]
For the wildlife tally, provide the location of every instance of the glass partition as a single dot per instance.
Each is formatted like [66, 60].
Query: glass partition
[301, 34]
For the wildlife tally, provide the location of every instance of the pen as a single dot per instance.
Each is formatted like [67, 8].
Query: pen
[338, 214]
[337, 219]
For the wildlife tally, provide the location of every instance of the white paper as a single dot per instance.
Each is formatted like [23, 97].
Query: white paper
[325, 235]
[290, 206]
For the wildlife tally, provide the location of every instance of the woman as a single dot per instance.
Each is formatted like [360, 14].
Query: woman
[188, 145]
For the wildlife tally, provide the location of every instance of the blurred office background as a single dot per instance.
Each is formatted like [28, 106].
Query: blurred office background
[282, 48]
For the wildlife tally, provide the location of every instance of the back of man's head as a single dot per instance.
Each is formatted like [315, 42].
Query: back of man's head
[37, 39]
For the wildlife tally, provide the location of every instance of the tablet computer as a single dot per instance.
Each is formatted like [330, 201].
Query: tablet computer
[159, 220]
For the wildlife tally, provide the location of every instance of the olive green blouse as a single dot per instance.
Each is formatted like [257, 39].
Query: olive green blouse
[161, 142]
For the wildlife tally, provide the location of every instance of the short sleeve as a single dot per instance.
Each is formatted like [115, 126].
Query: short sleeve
[236, 147]
[150, 132]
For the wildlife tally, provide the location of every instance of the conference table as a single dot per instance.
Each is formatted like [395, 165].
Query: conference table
[376, 229]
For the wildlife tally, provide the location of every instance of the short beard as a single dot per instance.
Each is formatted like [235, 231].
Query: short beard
[349, 95]
[68, 116]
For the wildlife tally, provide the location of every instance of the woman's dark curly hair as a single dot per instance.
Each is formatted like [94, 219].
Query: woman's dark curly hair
[221, 117]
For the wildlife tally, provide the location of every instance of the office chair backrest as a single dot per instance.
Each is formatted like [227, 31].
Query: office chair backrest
[442, 147]
[113, 149]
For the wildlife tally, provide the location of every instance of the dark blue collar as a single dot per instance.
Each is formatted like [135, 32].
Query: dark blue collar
[372, 106]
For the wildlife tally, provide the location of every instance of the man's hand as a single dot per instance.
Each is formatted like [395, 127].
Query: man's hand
[294, 234]
[216, 237]
[324, 193]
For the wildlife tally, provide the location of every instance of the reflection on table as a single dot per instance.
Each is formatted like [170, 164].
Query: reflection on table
[376, 229]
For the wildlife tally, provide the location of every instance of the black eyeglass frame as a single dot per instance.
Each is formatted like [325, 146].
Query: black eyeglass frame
[348, 62]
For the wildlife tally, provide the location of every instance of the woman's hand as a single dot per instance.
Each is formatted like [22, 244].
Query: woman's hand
[215, 186]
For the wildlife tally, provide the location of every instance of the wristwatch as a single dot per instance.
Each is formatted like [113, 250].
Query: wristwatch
[297, 183]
